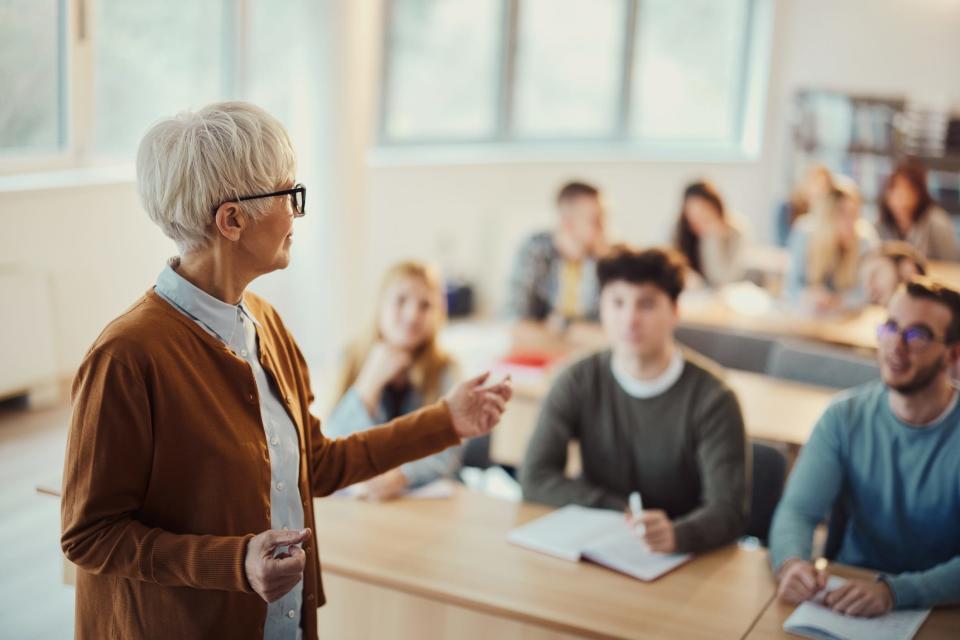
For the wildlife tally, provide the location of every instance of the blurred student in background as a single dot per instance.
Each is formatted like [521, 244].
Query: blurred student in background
[826, 247]
[887, 267]
[396, 369]
[709, 237]
[553, 286]
[816, 183]
[909, 213]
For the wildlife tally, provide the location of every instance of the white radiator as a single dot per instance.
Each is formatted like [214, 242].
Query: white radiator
[28, 358]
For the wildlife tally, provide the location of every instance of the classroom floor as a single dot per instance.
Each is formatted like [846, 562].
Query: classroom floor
[34, 602]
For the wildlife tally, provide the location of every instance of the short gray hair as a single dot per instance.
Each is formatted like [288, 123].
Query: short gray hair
[190, 164]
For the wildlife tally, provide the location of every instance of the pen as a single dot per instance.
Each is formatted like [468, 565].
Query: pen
[822, 565]
[636, 510]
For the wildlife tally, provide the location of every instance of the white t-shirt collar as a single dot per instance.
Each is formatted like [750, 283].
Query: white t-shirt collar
[654, 386]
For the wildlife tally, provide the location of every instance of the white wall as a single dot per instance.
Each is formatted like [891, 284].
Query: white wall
[102, 252]
[98, 248]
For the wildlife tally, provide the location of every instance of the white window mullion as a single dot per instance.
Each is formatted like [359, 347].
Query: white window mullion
[80, 81]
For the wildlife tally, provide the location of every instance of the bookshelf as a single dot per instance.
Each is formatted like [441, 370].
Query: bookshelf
[865, 136]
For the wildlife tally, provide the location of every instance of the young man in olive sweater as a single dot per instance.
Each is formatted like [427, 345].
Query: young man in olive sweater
[648, 416]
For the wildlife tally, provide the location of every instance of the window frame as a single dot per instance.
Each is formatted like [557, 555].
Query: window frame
[77, 33]
[752, 79]
[62, 157]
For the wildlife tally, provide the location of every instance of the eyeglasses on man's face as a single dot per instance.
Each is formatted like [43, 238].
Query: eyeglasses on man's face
[917, 337]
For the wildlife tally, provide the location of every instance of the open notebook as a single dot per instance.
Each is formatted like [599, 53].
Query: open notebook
[813, 620]
[598, 535]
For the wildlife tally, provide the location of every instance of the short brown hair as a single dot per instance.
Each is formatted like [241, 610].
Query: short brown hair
[927, 289]
[573, 190]
[663, 268]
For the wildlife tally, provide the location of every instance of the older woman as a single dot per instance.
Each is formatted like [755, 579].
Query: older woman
[193, 458]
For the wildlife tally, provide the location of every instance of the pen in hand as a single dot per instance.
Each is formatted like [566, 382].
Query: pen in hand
[636, 510]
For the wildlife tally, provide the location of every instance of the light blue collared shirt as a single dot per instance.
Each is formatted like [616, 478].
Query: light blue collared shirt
[235, 326]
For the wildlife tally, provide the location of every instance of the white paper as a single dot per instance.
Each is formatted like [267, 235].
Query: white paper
[813, 620]
[622, 551]
[565, 532]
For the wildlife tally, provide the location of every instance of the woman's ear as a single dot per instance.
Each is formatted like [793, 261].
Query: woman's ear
[230, 221]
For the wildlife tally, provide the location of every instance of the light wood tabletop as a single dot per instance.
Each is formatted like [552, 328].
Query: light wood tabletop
[942, 623]
[947, 273]
[452, 555]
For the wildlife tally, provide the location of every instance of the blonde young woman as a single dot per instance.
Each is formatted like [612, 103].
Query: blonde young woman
[398, 368]
[826, 247]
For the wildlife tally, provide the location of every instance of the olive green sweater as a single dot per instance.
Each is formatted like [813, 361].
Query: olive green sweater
[684, 450]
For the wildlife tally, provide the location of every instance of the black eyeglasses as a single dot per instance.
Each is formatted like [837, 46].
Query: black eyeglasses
[917, 337]
[298, 198]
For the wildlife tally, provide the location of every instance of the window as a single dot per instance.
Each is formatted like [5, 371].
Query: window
[84, 79]
[31, 74]
[687, 69]
[443, 69]
[635, 73]
[279, 74]
[153, 59]
[568, 71]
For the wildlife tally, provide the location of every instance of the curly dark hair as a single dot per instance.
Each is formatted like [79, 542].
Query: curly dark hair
[663, 268]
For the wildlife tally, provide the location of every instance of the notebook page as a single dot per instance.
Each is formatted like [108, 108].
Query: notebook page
[622, 551]
[565, 532]
[813, 620]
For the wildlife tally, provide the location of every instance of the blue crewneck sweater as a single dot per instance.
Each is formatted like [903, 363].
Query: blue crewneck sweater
[901, 486]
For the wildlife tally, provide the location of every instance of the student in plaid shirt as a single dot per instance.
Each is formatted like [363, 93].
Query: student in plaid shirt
[554, 278]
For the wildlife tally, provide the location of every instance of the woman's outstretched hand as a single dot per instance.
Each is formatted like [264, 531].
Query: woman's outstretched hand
[476, 409]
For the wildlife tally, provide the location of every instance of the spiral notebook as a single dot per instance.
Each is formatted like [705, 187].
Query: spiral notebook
[597, 535]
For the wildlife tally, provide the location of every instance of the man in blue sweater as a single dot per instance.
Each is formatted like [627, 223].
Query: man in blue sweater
[890, 452]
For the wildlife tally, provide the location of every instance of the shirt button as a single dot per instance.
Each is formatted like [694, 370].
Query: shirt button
[310, 597]
[274, 440]
[291, 614]
[281, 486]
[243, 352]
[251, 397]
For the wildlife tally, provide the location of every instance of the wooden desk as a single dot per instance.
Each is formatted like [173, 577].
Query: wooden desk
[942, 623]
[774, 410]
[443, 569]
[778, 410]
[858, 331]
[947, 273]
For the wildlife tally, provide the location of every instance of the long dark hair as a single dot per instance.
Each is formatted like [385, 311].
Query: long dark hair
[686, 240]
[916, 175]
